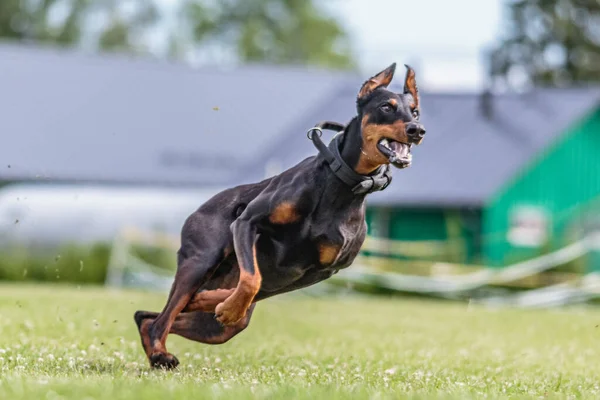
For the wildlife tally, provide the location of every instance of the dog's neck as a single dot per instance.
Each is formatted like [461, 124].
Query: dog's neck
[338, 193]
[352, 143]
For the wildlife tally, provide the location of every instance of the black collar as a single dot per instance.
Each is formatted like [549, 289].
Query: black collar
[360, 184]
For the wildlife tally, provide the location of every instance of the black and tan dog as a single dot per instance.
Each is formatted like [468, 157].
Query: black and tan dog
[287, 232]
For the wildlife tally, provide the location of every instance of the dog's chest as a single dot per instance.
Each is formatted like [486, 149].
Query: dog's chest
[338, 240]
[312, 252]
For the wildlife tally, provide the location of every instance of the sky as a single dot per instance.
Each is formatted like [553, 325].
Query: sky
[442, 40]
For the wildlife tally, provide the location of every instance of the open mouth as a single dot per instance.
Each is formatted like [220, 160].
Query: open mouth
[397, 153]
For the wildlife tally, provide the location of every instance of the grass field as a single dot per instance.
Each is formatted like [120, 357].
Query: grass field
[68, 343]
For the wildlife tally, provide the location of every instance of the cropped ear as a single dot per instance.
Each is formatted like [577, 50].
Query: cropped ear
[410, 85]
[381, 79]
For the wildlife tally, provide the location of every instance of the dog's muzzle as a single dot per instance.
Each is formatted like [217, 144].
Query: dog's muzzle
[415, 132]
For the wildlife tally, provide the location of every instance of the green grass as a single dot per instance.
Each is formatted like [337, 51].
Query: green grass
[68, 343]
[69, 263]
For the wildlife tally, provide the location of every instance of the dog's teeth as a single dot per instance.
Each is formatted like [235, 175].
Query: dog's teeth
[385, 143]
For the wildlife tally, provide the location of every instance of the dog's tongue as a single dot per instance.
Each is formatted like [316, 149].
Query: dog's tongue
[400, 149]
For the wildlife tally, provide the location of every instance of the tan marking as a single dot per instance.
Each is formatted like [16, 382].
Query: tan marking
[145, 337]
[410, 86]
[234, 308]
[394, 103]
[208, 300]
[284, 213]
[383, 78]
[159, 344]
[328, 253]
[250, 281]
[370, 156]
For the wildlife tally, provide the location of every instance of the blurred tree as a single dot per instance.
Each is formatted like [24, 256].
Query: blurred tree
[550, 42]
[271, 31]
[106, 24]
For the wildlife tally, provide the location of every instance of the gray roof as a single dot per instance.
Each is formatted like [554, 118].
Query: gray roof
[69, 116]
[465, 158]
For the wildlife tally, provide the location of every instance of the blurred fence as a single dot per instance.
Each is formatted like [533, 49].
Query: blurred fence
[127, 268]
[456, 281]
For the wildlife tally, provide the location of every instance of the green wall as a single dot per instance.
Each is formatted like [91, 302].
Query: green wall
[563, 182]
[450, 235]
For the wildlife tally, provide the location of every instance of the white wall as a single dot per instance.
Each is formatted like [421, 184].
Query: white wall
[57, 213]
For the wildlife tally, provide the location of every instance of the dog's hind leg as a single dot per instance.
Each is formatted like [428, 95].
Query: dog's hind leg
[198, 326]
[219, 286]
[191, 274]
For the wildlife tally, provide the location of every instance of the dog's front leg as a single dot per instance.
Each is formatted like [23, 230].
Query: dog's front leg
[234, 308]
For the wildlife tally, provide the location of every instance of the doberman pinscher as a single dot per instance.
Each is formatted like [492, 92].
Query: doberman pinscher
[290, 231]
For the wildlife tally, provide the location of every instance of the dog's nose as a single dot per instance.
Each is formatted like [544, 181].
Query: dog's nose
[415, 131]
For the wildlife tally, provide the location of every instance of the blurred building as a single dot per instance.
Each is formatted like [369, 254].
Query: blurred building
[85, 132]
[499, 178]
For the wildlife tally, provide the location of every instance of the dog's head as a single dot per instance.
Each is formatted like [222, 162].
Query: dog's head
[389, 121]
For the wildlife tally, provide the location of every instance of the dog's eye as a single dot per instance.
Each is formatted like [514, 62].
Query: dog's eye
[386, 108]
[415, 114]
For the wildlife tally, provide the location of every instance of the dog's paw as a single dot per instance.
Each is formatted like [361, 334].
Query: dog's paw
[227, 314]
[163, 361]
